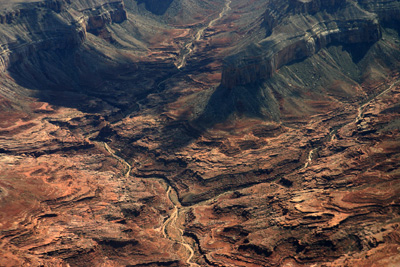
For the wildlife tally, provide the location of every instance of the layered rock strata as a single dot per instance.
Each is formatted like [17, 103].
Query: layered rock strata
[105, 159]
[387, 10]
[308, 26]
[52, 25]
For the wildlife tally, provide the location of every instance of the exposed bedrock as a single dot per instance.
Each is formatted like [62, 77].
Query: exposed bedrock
[313, 6]
[51, 25]
[387, 10]
[278, 10]
[105, 14]
[313, 25]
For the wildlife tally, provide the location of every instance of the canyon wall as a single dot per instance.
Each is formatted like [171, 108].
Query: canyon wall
[387, 10]
[307, 27]
[50, 25]
[156, 7]
[111, 156]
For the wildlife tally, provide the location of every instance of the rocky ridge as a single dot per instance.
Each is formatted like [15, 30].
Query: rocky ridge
[308, 27]
[111, 156]
[63, 24]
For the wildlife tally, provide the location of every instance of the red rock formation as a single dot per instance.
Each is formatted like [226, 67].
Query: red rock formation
[111, 156]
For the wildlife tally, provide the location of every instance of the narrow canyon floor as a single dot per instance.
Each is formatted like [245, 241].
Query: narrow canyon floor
[120, 145]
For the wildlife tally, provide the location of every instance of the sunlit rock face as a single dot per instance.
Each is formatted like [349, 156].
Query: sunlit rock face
[306, 27]
[52, 25]
[199, 133]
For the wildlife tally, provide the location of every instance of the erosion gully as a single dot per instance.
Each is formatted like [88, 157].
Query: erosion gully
[358, 117]
[171, 228]
[190, 46]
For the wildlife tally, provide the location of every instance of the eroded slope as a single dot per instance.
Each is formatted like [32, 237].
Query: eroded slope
[111, 155]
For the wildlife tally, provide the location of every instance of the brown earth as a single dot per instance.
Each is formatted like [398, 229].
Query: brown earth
[110, 155]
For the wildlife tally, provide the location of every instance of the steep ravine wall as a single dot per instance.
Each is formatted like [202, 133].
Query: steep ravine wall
[309, 28]
[388, 11]
[50, 25]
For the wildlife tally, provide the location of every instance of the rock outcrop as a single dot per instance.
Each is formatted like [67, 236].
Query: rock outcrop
[111, 156]
[387, 10]
[97, 18]
[52, 25]
[306, 27]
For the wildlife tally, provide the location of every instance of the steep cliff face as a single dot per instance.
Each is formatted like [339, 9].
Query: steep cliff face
[52, 25]
[99, 16]
[314, 6]
[307, 27]
[111, 156]
[278, 10]
[387, 10]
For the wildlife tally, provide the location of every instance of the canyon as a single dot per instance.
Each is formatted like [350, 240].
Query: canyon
[199, 133]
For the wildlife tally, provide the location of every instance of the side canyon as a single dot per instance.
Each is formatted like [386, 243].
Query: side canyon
[199, 133]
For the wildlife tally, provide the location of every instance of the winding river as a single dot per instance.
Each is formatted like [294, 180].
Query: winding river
[171, 224]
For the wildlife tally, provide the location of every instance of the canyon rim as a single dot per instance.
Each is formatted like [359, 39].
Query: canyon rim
[199, 133]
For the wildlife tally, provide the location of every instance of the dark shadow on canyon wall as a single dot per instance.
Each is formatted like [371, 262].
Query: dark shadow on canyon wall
[83, 78]
[251, 100]
[357, 51]
[68, 65]
[157, 7]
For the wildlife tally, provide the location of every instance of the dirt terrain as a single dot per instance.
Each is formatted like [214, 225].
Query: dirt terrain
[199, 133]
